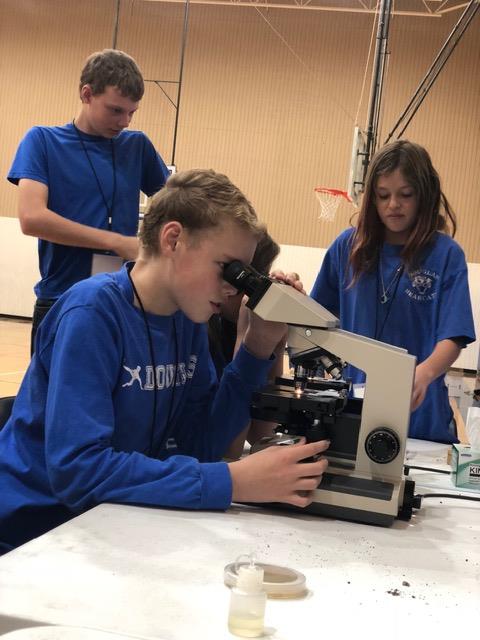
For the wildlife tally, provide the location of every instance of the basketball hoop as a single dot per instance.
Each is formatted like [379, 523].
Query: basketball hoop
[329, 200]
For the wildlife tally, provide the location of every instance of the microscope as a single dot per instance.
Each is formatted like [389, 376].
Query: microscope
[365, 481]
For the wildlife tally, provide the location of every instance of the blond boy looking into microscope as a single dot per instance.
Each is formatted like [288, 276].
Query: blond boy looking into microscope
[121, 402]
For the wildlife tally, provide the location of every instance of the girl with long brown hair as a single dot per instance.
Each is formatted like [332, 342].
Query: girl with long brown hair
[399, 277]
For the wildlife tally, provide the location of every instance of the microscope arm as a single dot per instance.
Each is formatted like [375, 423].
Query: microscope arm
[389, 370]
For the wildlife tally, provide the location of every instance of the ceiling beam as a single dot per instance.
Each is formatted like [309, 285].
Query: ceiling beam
[301, 7]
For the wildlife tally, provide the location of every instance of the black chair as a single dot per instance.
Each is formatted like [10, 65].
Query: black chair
[6, 405]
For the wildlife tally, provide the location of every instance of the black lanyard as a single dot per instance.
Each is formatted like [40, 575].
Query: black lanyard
[114, 189]
[154, 452]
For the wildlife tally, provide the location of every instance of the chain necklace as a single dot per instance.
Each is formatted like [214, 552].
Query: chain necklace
[384, 297]
[388, 295]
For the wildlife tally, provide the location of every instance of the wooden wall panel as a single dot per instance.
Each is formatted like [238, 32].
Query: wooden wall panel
[447, 123]
[278, 123]
[43, 45]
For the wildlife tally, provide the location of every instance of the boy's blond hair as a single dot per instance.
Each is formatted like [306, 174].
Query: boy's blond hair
[200, 200]
[115, 68]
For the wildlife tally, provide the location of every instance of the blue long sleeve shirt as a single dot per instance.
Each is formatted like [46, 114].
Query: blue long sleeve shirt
[83, 431]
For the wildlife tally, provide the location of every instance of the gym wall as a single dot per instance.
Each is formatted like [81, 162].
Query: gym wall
[269, 97]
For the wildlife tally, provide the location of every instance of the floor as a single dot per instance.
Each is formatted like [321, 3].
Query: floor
[15, 357]
[14, 353]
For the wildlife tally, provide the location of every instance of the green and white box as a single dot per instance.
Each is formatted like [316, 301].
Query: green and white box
[466, 467]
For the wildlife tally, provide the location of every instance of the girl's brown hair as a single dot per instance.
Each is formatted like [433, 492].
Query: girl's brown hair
[434, 212]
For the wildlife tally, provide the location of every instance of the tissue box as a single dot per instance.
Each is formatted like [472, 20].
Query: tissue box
[466, 467]
[454, 385]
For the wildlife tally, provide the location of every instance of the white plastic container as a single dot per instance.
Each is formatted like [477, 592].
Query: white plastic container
[247, 603]
[473, 427]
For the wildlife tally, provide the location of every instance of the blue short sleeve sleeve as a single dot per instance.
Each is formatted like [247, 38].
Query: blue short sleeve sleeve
[155, 172]
[30, 159]
[455, 319]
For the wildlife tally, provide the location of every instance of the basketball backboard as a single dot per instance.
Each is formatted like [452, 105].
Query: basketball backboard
[142, 206]
[357, 164]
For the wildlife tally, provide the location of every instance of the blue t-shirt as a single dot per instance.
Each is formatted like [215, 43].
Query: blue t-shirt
[82, 430]
[56, 157]
[425, 306]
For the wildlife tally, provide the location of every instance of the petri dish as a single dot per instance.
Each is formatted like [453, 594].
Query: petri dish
[278, 581]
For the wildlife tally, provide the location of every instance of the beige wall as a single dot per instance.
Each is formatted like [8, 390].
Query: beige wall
[278, 124]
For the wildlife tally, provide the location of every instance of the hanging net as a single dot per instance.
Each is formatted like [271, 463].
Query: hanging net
[329, 200]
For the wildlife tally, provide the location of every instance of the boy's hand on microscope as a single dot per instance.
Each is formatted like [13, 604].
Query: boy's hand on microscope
[277, 474]
[292, 278]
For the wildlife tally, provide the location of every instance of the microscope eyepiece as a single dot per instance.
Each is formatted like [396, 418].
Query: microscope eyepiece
[245, 278]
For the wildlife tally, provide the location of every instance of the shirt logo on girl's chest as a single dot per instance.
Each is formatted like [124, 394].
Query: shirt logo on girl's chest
[422, 285]
[165, 376]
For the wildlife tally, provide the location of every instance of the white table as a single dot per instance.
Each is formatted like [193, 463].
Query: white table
[155, 573]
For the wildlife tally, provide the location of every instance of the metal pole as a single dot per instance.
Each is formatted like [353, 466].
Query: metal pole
[384, 53]
[115, 26]
[377, 80]
[437, 65]
[179, 92]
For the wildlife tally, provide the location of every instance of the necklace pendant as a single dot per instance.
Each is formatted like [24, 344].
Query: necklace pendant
[383, 298]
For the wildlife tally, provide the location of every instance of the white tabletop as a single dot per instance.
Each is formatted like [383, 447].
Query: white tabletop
[61, 632]
[156, 573]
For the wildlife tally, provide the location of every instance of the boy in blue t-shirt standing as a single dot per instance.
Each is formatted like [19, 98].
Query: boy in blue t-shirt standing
[79, 184]
[121, 402]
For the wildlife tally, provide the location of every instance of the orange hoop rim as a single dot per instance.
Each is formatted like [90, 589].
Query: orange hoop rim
[334, 192]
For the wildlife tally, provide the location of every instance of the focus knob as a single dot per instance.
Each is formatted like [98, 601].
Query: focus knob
[382, 445]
